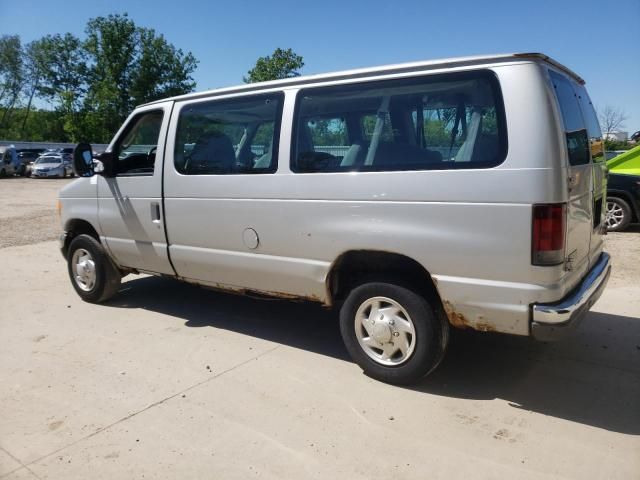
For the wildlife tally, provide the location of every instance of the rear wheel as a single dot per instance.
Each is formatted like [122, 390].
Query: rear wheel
[618, 215]
[3, 173]
[392, 332]
[93, 275]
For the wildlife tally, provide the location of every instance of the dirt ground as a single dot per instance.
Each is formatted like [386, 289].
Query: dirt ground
[28, 214]
[169, 380]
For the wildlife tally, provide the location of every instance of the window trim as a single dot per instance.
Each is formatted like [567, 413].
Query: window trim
[277, 125]
[490, 75]
[128, 127]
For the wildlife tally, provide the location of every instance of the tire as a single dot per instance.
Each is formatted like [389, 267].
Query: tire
[618, 214]
[106, 276]
[64, 173]
[369, 343]
[3, 173]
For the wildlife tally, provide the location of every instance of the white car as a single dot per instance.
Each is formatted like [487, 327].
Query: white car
[414, 198]
[51, 166]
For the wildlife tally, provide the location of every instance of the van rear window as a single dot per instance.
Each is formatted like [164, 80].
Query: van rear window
[574, 125]
[596, 141]
[451, 121]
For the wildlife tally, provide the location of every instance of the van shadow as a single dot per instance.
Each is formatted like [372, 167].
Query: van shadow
[303, 325]
[592, 377]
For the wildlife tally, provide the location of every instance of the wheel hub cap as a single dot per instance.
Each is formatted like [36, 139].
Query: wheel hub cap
[381, 332]
[385, 331]
[84, 269]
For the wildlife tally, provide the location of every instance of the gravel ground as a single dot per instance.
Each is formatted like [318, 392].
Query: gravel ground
[28, 214]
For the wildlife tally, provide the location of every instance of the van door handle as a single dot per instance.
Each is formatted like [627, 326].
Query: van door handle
[155, 212]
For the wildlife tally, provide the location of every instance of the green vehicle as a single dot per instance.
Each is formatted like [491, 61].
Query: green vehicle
[623, 190]
[627, 163]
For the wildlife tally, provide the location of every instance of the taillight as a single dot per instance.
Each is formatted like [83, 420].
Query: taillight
[547, 240]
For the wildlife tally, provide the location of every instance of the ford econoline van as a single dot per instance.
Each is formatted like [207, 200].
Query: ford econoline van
[462, 193]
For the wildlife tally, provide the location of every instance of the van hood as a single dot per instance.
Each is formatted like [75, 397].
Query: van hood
[82, 187]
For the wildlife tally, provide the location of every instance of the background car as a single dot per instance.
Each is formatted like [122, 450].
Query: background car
[27, 156]
[51, 165]
[623, 201]
[9, 162]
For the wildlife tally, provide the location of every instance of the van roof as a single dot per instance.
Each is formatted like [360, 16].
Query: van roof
[380, 70]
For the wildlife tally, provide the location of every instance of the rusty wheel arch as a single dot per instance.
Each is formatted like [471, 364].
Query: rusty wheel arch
[357, 266]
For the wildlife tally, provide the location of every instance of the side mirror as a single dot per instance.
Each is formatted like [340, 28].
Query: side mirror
[84, 164]
[83, 160]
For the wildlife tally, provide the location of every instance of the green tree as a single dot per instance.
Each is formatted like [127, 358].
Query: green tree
[92, 85]
[35, 67]
[281, 64]
[129, 65]
[162, 70]
[111, 45]
[64, 80]
[11, 75]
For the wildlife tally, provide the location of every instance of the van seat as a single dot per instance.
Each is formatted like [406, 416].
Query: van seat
[396, 156]
[486, 148]
[212, 154]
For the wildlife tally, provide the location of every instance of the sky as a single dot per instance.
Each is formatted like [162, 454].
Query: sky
[598, 40]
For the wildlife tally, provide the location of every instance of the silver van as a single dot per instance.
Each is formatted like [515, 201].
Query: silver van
[413, 198]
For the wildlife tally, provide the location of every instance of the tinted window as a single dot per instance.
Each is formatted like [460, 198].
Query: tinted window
[593, 126]
[434, 122]
[574, 125]
[229, 136]
[136, 149]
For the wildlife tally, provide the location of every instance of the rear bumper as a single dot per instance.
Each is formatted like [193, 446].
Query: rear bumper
[551, 321]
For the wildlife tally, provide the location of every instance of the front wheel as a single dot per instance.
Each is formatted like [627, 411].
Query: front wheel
[392, 333]
[93, 275]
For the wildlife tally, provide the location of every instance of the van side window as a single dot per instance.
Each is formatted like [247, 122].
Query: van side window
[449, 121]
[574, 125]
[136, 149]
[328, 135]
[231, 136]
